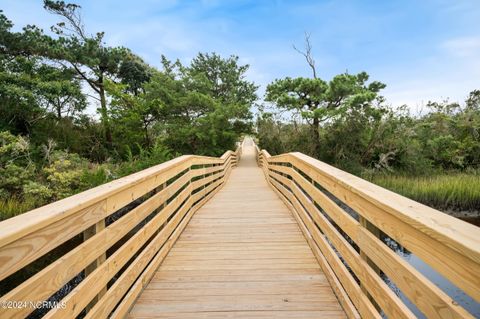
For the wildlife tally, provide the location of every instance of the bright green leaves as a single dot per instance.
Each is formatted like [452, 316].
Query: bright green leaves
[296, 94]
[318, 101]
[205, 106]
[315, 98]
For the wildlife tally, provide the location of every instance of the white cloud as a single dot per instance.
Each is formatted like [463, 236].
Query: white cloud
[416, 94]
[449, 67]
[463, 46]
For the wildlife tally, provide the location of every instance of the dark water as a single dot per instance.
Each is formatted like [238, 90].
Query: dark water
[444, 284]
[450, 289]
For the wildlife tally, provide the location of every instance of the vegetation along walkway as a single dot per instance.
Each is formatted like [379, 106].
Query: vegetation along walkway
[242, 255]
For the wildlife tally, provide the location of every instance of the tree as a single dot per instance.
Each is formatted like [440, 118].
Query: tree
[93, 61]
[225, 78]
[225, 81]
[31, 89]
[133, 116]
[318, 101]
[61, 92]
[134, 72]
[198, 109]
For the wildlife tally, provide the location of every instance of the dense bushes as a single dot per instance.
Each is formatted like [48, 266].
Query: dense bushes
[386, 140]
[431, 158]
[25, 185]
[51, 147]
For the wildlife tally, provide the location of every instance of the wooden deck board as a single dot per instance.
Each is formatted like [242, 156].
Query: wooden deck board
[241, 256]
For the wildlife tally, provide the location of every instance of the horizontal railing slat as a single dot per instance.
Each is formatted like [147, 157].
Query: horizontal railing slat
[459, 267]
[27, 237]
[113, 295]
[145, 277]
[91, 285]
[447, 244]
[18, 226]
[19, 253]
[389, 302]
[358, 298]
[337, 287]
[37, 242]
[50, 279]
[428, 297]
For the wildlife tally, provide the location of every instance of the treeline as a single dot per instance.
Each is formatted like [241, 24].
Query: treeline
[361, 136]
[75, 113]
[433, 157]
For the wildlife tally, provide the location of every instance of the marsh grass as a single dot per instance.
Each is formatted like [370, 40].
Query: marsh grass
[14, 206]
[451, 190]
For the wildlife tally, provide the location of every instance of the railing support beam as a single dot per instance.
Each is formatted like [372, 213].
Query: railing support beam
[87, 234]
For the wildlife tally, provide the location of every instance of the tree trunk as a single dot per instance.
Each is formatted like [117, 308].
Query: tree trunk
[104, 114]
[145, 130]
[316, 136]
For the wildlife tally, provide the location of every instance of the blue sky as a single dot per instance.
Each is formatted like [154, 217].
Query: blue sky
[423, 50]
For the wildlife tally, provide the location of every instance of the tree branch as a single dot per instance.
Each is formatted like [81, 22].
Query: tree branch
[308, 54]
[90, 82]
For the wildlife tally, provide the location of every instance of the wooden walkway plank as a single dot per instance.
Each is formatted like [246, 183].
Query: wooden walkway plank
[242, 255]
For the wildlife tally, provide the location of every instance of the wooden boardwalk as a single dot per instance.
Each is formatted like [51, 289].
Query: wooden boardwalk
[242, 255]
[245, 242]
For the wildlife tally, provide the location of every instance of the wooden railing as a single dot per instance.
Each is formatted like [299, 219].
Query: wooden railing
[107, 241]
[343, 216]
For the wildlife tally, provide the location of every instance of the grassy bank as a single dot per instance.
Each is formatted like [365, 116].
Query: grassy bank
[457, 191]
[14, 206]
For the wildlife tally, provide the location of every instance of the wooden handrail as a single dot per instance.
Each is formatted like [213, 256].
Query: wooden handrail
[351, 254]
[151, 207]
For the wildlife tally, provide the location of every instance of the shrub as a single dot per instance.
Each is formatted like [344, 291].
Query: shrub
[36, 190]
[16, 168]
[64, 174]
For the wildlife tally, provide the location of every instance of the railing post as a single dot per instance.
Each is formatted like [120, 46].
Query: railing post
[376, 232]
[88, 233]
[162, 187]
[204, 176]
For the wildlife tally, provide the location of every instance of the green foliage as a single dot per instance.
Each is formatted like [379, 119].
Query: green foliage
[145, 159]
[279, 137]
[224, 80]
[41, 192]
[28, 85]
[318, 101]
[16, 167]
[96, 175]
[450, 135]
[374, 140]
[63, 174]
[13, 177]
[203, 108]
[147, 116]
[50, 148]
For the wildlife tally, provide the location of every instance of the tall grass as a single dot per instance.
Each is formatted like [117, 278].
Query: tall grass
[457, 191]
[14, 206]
